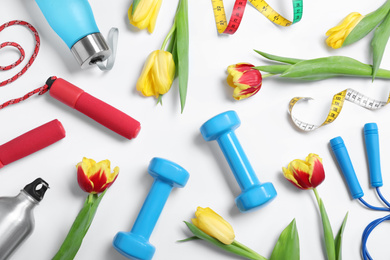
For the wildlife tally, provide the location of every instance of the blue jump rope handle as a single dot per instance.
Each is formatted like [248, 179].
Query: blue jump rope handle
[342, 156]
[372, 148]
[72, 20]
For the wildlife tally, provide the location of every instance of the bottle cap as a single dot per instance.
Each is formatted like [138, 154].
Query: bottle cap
[91, 49]
[37, 189]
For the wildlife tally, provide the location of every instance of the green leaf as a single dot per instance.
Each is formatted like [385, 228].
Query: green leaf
[331, 66]
[80, 226]
[287, 246]
[328, 233]
[135, 4]
[367, 24]
[278, 58]
[339, 237]
[232, 248]
[189, 239]
[182, 42]
[172, 41]
[378, 44]
[172, 48]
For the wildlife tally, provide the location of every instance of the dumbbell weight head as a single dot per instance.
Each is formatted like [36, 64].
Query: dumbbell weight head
[218, 125]
[256, 197]
[168, 172]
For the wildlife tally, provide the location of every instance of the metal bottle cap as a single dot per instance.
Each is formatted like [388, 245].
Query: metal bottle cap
[91, 49]
[37, 189]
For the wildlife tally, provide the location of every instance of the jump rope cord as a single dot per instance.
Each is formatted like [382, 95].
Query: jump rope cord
[370, 227]
[22, 53]
[38, 91]
[372, 207]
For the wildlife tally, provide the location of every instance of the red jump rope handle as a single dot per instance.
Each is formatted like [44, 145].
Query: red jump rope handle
[94, 108]
[30, 142]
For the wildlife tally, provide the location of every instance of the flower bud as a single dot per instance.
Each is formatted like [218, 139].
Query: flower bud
[95, 177]
[213, 225]
[305, 174]
[145, 14]
[245, 80]
[157, 75]
[339, 33]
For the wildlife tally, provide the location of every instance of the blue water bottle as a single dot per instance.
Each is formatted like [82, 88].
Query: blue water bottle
[74, 22]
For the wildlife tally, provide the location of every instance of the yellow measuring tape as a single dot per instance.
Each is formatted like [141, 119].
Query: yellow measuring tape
[262, 6]
[337, 104]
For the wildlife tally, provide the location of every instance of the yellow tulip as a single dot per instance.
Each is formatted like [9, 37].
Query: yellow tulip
[157, 75]
[339, 33]
[145, 15]
[213, 225]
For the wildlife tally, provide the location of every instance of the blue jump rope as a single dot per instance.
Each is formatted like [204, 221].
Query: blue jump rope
[372, 149]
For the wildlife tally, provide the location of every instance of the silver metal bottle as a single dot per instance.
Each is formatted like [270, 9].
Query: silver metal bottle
[16, 216]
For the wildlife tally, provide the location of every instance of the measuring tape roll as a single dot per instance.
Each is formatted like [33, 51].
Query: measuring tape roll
[335, 109]
[261, 5]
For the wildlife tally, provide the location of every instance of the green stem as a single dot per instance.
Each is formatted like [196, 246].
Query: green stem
[255, 254]
[91, 198]
[317, 196]
[382, 73]
[171, 31]
[273, 69]
[79, 228]
[328, 233]
[267, 75]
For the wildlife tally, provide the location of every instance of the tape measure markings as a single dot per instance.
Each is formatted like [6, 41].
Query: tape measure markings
[336, 107]
[261, 5]
[235, 19]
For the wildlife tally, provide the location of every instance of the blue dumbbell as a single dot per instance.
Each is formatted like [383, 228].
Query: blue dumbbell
[221, 128]
[135, 244]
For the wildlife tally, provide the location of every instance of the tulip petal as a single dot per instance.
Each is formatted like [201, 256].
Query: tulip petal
[83, 180]
[162, 72]
[145, 82]
[245, 80]
[317, 170]
[98, 179]
[95, 177]
[305, 174]
[143, 9]
[339, 33]
[153, 19]
[230, 81]
[213, 225]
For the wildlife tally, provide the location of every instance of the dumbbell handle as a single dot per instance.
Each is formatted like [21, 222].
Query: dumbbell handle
[342, 156]
[151, 209]
[372, 149]
[238, 162]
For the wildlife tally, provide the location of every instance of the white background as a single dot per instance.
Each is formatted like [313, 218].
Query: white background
[267, 134]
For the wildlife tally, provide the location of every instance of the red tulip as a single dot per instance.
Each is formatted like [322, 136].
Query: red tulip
[95, 177]
[305, 174]
[245, 80]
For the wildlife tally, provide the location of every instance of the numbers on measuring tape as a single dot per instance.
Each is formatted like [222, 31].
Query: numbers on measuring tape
[261, 5]
[336, 106]
[220, 16]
